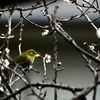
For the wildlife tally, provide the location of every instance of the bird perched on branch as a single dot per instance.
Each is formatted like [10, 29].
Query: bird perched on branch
[24, 60]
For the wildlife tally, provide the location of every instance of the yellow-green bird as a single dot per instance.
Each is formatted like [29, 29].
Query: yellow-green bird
[25, 59]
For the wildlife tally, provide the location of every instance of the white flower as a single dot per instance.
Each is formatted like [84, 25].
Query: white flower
[5, 63]
[98, 33]
[45, 32]
[91, 47]
[47, 58]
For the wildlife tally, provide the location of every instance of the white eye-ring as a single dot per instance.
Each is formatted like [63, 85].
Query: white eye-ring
[31, 53]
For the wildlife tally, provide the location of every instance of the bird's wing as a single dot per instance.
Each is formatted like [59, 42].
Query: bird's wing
[20, 59]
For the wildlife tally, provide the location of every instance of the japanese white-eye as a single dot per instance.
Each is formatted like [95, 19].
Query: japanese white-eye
[25, 59]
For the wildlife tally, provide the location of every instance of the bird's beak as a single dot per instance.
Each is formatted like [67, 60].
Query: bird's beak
[38, 54]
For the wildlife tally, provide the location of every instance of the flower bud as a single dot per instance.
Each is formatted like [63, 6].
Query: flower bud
[59, 63]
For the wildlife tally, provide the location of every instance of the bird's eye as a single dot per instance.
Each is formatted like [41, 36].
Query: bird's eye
[31, 53]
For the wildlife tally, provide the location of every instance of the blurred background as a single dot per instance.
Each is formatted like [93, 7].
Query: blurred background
[75, 72]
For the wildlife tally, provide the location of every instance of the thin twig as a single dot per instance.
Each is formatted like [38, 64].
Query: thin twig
[65, 35]
[87, 18]
[45, 85]
[45, 69]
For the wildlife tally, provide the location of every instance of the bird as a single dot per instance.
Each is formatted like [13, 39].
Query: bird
[25, 59]
[22, 61]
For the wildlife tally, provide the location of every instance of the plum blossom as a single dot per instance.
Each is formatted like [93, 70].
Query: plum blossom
[47, 58]
[91, 47]
[45, 32]
[4, 63]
